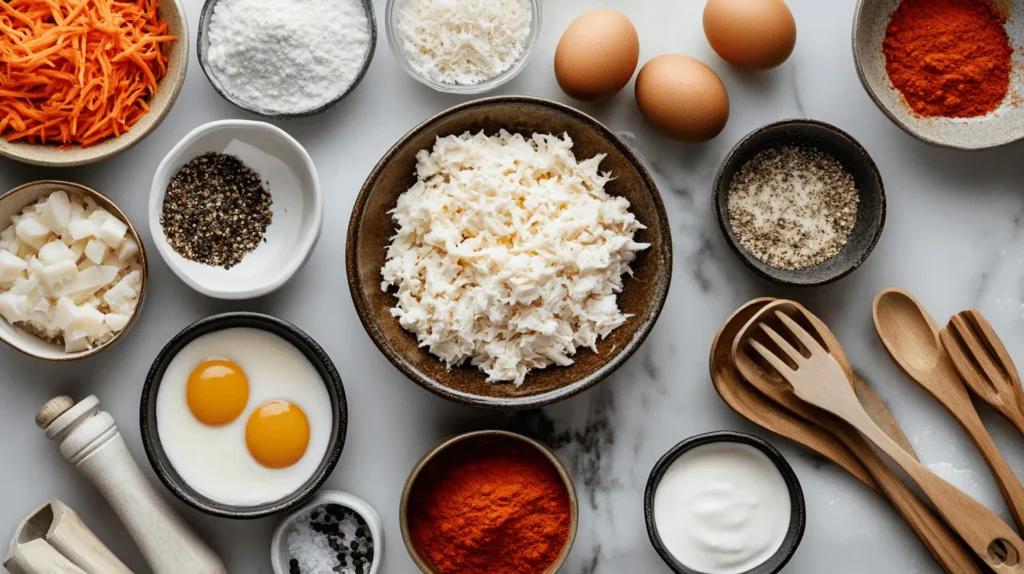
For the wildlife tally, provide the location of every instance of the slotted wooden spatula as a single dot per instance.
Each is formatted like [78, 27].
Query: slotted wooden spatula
[818, 379]
[984, 364]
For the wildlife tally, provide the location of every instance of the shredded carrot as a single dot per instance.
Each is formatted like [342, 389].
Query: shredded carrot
[77, 72]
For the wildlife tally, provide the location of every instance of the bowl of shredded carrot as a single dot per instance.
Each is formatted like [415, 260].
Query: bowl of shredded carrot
[83, 80]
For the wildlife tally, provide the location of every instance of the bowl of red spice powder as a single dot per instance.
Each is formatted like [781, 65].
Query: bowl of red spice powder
[489, 501]
[945, 71]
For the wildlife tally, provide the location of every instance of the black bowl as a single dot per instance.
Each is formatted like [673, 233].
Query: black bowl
[203, 48]
[798, 511]
[853, 157]
[312, 351]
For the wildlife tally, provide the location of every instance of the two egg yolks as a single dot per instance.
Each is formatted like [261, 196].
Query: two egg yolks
[277, 432]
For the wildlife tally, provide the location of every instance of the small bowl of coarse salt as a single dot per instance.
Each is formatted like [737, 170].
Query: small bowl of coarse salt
[286, 63]
[333, 532]
[463, 47]
[800, 202]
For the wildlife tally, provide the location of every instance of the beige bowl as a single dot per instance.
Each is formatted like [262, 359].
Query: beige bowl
[403, 510]
[173, 12]
[12, 203]
[1001, 127]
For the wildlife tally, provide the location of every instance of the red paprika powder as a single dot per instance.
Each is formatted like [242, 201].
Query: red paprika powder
[489, 504]
[948, 57]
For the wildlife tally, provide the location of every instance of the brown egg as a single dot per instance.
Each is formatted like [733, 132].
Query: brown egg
[750, 34]
[597, 55]
[682, 98]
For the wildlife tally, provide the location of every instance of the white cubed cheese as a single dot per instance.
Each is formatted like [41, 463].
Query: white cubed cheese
[122, 298]
[76, 345]
[87, 282]
[56, 252]
[13, 307]
[128, 250]
[41, 305]
[81, 228]
[112, 232]
[65, 313]
[116, 321]
[113, 260]
[99, 216]
[86, 320]
[31, 232]
[25, 285]
[9, 240]
[11, 266]
[96, 250]
[56, 211]
[58, 273]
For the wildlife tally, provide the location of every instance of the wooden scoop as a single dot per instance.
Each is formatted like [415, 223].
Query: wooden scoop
[912, 339]
[984, 364]
[740, 389]
[54, 539]
[818, 379]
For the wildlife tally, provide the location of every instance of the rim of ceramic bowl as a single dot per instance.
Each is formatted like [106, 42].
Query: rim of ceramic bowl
[860, 65]
[278, 544]
[798, 507]
[536, 23]
[133, 136]
[108, 204]
[621, 355]
[434, 452]
[204, 64]
[309, 348]
[723, 218]
[304, 246]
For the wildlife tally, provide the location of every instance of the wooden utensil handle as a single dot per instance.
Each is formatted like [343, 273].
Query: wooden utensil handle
[978, 526]
[1006, 480]
[944, 545]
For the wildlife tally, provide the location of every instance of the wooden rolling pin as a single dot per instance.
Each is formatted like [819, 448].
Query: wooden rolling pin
[90, 441]
[54, 540]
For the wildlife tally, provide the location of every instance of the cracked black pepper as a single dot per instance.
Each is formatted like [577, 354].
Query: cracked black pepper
[216, 210]
[793, 207]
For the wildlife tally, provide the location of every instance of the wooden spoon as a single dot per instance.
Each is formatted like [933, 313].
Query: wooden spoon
[912, 339]
[833, 439]
[818, 379]
[983, 362]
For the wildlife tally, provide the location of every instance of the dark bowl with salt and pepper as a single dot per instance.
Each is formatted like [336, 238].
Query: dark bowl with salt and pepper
[854, 159]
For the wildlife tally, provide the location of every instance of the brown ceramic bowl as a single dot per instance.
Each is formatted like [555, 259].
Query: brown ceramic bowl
[12, 203]
[403, 508]
[371, 228]
[171, 11]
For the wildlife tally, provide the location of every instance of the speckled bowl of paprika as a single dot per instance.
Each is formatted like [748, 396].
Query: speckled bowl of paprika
[489, 501]
[945, 71]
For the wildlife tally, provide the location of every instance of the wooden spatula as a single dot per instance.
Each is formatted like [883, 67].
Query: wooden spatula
[818, 379]
[984, 364]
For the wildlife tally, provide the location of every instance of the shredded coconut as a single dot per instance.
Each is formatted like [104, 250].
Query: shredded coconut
[509, 252]
[288, 58]
[463, 41]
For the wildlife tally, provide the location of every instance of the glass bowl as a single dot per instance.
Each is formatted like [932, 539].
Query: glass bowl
[390, 24]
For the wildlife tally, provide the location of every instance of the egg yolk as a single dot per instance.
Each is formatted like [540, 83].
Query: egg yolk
[277, 434]
[217, 392]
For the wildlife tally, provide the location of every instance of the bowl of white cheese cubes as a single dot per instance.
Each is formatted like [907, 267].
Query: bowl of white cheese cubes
[72, 271]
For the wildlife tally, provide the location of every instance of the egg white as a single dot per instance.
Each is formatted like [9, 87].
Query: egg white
[214, 460]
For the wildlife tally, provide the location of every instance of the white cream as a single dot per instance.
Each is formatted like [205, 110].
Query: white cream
[722, 508]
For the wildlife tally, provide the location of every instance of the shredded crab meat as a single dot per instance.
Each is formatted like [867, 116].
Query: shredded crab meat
[509, 253]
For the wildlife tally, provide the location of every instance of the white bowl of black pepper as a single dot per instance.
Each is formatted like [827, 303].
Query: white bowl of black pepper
[236, 208]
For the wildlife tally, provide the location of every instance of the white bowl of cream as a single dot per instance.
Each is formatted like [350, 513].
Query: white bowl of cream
[724, 503]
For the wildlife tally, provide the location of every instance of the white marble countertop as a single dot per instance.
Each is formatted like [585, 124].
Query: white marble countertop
[953, 238]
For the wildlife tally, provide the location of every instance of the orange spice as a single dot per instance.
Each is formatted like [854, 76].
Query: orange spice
[489, 504]
[948, 57]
